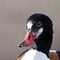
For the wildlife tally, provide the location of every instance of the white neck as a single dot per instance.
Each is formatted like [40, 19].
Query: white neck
[33, 54]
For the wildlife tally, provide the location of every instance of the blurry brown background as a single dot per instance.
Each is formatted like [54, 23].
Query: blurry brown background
[13, 15]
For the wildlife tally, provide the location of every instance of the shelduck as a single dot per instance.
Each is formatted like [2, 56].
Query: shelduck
[40, 34]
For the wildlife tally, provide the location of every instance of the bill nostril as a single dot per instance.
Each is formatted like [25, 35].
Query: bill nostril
[29, 37]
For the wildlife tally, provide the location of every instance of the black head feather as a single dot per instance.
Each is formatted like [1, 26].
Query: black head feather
[44, 40]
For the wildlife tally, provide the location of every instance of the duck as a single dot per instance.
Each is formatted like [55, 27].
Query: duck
[39, 34]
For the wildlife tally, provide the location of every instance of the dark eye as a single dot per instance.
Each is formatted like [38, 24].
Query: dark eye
[39, 24]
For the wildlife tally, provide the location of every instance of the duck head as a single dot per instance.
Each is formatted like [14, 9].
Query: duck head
[39, 29]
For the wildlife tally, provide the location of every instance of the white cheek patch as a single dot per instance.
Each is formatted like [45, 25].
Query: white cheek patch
[39, 32]
[29, 25]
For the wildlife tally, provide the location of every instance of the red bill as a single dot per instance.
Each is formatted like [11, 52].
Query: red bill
[29, 38]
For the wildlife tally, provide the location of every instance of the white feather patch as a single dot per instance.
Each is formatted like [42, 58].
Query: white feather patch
[39, 32]
[33, 54]
[29, 25]
[52, 51]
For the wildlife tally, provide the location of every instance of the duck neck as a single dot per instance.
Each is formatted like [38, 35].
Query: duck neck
[43, 45]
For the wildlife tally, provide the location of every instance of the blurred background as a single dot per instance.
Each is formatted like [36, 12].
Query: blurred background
[13, 15]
